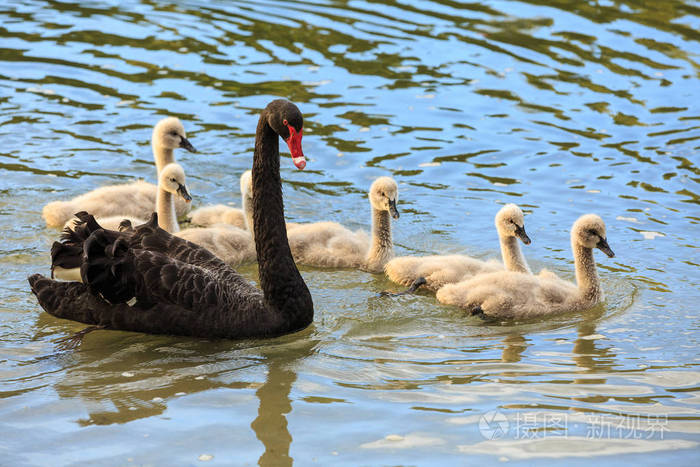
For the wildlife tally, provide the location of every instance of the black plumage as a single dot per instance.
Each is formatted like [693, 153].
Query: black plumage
[146, 280]
[68, 253]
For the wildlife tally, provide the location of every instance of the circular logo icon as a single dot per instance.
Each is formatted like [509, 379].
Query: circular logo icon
[493, 425]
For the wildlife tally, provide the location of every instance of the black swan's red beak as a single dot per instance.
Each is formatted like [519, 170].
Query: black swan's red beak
[294, 143]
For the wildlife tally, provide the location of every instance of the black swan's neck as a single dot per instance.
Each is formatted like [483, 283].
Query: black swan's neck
[280, 280]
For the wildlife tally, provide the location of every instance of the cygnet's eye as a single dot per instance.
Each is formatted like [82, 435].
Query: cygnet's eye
[173, 133]
[173, 180]
[592, 232]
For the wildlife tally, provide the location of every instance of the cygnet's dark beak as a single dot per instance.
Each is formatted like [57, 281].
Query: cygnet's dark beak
[182, 191]
[520, 233]
[605, 248]
[392, 209]
[185, 144]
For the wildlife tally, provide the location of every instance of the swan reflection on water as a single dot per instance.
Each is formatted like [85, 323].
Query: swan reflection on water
[271, 425]
[169, 371]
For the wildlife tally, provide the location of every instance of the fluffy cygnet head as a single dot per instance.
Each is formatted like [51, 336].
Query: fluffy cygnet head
[169, 133]
[172, 180]
[247, 184]
[384, 194]
[589, 231]
[510, 223]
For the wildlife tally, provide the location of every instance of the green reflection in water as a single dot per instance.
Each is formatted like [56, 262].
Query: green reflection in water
[564, 107]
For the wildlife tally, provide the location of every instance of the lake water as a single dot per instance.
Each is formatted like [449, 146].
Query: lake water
[564, 107]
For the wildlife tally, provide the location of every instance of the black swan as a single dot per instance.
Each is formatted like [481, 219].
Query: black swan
[146, 280]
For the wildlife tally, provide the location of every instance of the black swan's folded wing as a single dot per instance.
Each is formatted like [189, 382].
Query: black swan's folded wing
[150, 237]
[146, 290]
[121, 272]
[74, 301]
[68, 252]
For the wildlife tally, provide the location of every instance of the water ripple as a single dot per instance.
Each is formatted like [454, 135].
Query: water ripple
[563, 106]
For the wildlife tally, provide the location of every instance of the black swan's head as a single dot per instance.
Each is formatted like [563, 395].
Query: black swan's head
[169, 133]
[287, 121]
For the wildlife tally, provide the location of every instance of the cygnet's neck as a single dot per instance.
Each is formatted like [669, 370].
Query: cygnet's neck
[165, 207]
[162, 155]
[247, 204]
[513, 258]
[586, 273]
[382, 248]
